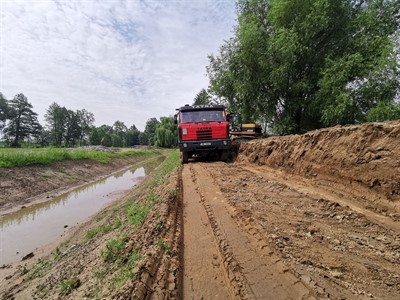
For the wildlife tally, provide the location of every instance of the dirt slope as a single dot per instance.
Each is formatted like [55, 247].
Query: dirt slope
[363, 159]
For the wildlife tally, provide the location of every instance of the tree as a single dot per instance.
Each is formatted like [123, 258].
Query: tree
[150, 130]
[56, 118]
[68, 128]
[3, 111]
[384, 111]
[143, 138]
[73, 129]
[23, 121]
[167, 133]
[85, 120]
[202, 98]
[106, 140]
[303, 64]
[119, 127]
[94, 137]
[116, 140]
[132, 136]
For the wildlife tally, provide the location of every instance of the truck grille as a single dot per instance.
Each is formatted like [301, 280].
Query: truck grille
[204, 134]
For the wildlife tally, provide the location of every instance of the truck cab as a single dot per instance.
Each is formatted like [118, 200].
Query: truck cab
[203, 131]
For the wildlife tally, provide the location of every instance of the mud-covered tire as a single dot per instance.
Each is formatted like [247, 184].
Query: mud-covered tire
[185, 157]
[223, 156]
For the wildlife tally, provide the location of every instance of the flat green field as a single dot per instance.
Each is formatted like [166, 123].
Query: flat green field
[10, 157]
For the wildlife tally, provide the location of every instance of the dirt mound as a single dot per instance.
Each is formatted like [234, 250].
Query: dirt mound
[362, 157]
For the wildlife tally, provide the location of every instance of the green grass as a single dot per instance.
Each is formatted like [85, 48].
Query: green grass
[163, 245]
[137, 212]
[68, 285]
[114, 248]
[171, 163]
[10, 157]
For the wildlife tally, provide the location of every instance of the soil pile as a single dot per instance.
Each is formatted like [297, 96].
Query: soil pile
[365, 158]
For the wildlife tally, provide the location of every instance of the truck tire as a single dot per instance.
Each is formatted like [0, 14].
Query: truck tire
[185, 157]
[224, 155]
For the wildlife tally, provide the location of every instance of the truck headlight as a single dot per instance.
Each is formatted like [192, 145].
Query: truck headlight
[184, 145]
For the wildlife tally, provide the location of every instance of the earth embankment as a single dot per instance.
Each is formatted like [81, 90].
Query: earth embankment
[363, 159]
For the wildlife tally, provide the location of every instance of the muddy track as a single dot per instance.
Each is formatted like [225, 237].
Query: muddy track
[250, 233]
[242, 265]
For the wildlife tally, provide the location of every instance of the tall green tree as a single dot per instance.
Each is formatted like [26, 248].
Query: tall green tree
[116, 140]
[106, 140]
[132, 136]
[383, 111]
[94, 137]
[73, 129]
[150, 130]
[143, 138]
[119, 127]
[202, 98]
[86, 120]
[56, 118]
[303, 64]
[23, 121]
[3, 111]
[167, 133]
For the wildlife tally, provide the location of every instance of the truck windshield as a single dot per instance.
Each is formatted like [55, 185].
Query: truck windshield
[202, 116]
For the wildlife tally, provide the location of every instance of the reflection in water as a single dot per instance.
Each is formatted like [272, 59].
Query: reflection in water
[32, 227]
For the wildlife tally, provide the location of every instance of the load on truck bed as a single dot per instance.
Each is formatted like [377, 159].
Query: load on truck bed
[203, 131]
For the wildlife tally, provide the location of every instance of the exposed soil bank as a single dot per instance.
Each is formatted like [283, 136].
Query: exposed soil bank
[24, 185]
[363, 159]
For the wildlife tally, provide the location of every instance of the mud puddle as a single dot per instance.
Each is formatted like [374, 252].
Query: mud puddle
[24, 231]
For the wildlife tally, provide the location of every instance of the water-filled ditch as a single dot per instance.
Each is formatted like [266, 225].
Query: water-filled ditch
[27, 229]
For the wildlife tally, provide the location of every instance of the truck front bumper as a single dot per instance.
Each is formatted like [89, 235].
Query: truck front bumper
[197, 146]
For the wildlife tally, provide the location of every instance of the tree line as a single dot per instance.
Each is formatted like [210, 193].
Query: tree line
[299, 65]
[19, 126]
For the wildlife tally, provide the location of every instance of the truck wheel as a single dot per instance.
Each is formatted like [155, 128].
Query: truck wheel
[224, 155]
[185, 157]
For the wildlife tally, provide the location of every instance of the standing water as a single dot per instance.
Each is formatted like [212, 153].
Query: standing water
[27, 229]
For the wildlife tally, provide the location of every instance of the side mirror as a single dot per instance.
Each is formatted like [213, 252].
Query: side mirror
[176, 119]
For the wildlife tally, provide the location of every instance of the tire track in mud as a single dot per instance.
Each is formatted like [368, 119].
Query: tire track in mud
[252, 270]
[337, 251]
[203, 274]
[339, 196]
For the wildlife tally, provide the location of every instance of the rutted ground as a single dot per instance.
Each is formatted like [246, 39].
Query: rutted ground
[304, 217]
[315, 216]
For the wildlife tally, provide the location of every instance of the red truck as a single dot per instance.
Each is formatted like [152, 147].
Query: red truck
[203, 131]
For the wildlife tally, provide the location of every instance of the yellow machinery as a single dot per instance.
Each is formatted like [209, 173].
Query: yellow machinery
[244, 131]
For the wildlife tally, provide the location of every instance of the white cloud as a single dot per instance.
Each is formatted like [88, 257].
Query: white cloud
[122, 60]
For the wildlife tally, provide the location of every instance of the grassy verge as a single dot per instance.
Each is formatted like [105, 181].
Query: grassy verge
[46, 156]
[132, 219]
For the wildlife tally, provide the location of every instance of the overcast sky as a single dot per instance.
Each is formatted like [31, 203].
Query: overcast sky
[126, 60]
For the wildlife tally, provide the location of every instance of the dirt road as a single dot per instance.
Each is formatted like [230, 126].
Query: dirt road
[252, 233]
